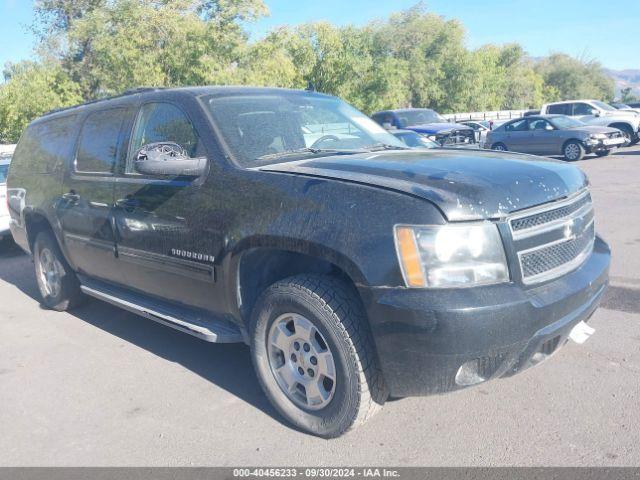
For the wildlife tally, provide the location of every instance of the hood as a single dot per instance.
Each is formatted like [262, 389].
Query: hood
[593, 129]
[434, 128]
[464, 184]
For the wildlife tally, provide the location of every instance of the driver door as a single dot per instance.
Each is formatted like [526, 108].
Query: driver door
[163, 243]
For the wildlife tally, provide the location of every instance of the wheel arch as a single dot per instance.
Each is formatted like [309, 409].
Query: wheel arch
[624, 126]
[258, 266]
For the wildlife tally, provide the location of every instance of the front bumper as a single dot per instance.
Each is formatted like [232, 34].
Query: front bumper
[424, 337]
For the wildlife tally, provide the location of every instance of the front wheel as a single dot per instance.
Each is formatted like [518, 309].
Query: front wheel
[573, 151]
[500, 147]
[314, 354]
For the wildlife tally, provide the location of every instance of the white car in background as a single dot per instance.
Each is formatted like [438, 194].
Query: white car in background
[6, 152]
[595, 112]
[480, 127]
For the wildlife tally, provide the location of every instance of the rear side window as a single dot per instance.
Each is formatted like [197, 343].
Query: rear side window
[98, 144]
[45, 145]
[560, 109]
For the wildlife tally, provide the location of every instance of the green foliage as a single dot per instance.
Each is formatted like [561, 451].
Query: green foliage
[93, 48]
[32, 90]
[571, 78]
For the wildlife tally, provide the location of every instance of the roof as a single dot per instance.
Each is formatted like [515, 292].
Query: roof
[572, 101]
[402, 110]
[194, 91]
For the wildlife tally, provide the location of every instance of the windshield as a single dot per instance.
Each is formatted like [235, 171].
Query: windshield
[419, 116]
[603, 105]
[566, 122]
[276, 127]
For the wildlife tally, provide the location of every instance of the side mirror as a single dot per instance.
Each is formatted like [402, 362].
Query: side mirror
[595, 113]
[549, 127]
[387, 126]
[166, 158]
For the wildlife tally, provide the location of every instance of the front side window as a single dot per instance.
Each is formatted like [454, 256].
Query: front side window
[582, 109]
[273, 127]
[164, 123]
[98, 144]
[539, 124]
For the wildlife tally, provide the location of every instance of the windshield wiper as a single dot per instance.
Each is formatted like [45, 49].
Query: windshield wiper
[384, 146]
[299, 151]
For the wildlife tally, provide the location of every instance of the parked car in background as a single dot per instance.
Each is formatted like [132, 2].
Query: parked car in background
[412, 139]
[429, 123]
[6, 152]
[354, 267]
[624, 106]
[529, 113]
[555, 135]
[595, 112]
[634, 104]
[480, 127]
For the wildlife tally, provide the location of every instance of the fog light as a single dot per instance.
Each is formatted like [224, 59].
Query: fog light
[468, 374]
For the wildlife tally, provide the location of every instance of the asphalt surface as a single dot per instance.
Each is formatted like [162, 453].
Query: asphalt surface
[102, 387]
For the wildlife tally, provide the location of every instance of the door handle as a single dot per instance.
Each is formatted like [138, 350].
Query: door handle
[71, 197]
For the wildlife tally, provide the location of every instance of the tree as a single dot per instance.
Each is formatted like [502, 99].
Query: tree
[30, 91]
[573, 79]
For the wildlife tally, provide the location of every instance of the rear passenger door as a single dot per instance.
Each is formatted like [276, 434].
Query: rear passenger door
[85, 207]
[517, 136]
[165, 244]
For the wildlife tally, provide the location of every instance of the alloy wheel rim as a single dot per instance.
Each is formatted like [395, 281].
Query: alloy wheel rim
[500, 148]
[301, 361]
[49, 273]
[572, 151]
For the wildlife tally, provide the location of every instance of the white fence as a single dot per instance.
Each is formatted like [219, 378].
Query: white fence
[497, 115]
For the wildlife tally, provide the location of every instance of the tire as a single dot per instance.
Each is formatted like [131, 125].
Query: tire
[58, 284]
[500, 147]
[333, 309]
[603, 153]
[628, 132]
[573, 151]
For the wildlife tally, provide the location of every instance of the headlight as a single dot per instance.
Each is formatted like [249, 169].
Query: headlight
[456, 255]
[598, 136]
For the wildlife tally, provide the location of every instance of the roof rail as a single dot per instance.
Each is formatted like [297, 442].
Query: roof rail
[131, 91]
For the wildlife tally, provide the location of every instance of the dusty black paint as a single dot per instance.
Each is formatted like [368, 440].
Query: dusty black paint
[331, 215]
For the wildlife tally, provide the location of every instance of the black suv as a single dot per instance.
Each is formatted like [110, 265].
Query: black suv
[354, 268]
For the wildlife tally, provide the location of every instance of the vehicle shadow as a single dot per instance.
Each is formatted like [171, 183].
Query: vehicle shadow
[226, 365]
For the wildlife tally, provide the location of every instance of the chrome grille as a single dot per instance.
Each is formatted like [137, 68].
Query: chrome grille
[553, 239]
[549, 216]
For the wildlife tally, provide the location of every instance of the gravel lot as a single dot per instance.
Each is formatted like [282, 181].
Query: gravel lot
[103, 387]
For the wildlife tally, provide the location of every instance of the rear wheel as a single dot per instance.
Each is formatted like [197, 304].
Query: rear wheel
[500, 147]
[56, 280]
[314, 355]
[573, 151]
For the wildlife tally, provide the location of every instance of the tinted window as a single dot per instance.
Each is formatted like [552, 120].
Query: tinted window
[561, 109]
[582, 109]
[98, 145]
[163, 122]
[46, 144]
[517, 126]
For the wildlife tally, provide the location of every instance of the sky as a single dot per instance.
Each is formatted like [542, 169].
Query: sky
[589, 29]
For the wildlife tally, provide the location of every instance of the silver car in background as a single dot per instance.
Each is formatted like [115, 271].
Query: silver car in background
[6, 151]
[555, 135]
